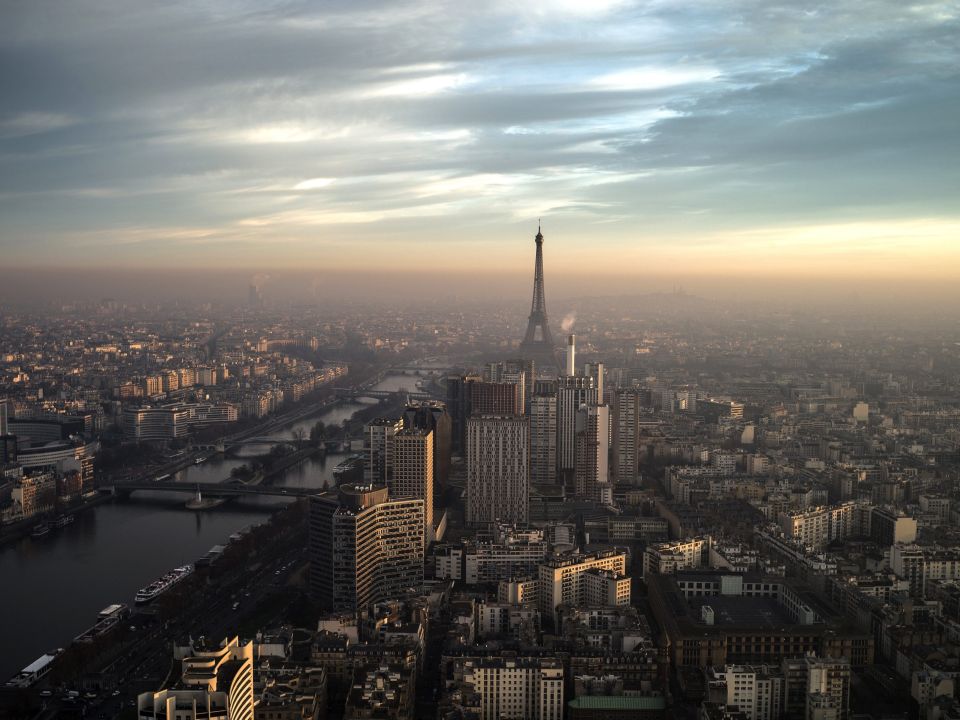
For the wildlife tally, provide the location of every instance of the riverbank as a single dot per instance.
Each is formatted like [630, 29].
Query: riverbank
[17, 531]
[112, 549]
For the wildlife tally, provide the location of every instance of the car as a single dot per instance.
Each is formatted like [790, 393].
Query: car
[45, 693]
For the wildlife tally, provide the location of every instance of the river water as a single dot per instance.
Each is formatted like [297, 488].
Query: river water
[51, 589]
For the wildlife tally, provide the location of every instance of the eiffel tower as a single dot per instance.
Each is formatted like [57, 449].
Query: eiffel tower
[538, 344]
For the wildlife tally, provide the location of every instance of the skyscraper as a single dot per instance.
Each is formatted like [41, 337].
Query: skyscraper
[543, 439]
[597, 372]
[573, 392]
[625, 417]
[434, 416]
[497, 398]
[498, 482]
[538, 341]
[413, 471]
[591, 465]
[458, 405]
[521, 371]
[379, 447]
[364, 547]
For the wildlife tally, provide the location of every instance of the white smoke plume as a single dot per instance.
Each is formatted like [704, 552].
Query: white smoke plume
[568, 320]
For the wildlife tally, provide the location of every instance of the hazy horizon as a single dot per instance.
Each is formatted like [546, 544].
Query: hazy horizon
[509, 289]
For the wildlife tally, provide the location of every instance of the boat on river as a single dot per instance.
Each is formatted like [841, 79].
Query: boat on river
[161, 585]
[347, 465]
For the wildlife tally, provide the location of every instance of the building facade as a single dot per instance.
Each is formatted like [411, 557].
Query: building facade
[413, 471]
[516, 688]
[216, 683]
[590, 457]
[364, 546]
[625, 418]
[498, 482]
[378, 469]
[573, 391]
[543, 439]
[565, 581]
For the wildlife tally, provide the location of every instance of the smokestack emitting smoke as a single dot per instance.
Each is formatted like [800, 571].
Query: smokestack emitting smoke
[571, 355]
[567, 324]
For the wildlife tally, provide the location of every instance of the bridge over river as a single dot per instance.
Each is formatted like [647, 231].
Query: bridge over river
[381, 394]
[224, 490]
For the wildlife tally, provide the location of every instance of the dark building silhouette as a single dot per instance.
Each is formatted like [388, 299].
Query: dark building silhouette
[434, 416]
[515, 371]
[8, 449]
[458, 406]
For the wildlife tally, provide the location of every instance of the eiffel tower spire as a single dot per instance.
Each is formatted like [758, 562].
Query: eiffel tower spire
[538, 342]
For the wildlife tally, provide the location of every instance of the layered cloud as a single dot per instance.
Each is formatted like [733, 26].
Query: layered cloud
[373, 133]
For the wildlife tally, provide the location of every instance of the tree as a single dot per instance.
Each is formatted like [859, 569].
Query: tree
[318, 432]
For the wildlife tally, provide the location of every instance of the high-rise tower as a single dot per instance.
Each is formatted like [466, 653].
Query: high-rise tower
[543, 439]
[364, 546]
[538, 344]
[498, 469]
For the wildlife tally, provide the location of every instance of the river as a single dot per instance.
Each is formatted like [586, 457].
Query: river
[52, 589]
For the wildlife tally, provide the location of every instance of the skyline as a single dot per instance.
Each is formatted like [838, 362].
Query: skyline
[759, 140]
[907, 299]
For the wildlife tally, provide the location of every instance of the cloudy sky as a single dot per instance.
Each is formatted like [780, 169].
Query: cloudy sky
[726, 136]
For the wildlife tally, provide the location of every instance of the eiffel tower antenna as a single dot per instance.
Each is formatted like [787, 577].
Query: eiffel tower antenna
[538, 344]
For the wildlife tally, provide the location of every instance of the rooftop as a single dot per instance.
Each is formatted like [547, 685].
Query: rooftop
[736, 610]
[618, 702]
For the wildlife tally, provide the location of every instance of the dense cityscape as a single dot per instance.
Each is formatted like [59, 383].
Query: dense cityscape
[439, 360]
[659, 507]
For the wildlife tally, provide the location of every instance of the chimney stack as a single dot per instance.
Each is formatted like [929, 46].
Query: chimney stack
[571, 355]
